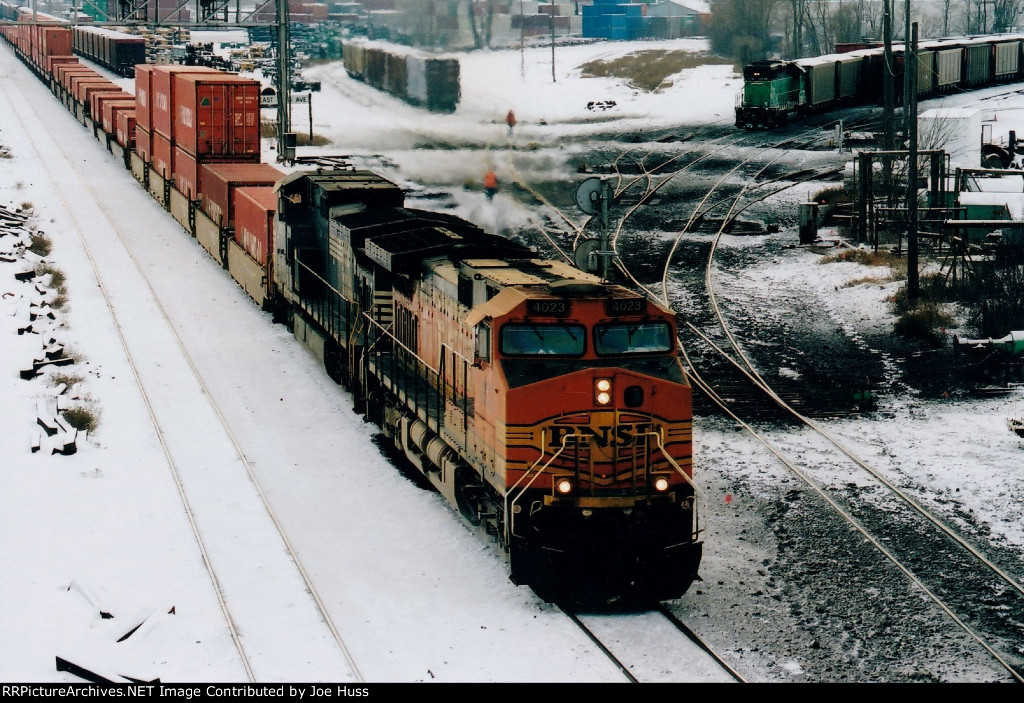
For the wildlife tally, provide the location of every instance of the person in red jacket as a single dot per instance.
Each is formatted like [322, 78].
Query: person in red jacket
[510, 120]
[490, 183]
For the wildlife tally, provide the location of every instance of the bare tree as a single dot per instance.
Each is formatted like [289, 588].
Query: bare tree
[1005, 14]
[832, 22]
[481, 17]
[871, 19]
[798, 11]
[423, 24]
[741, 29]
[972, 17]
[816, 30]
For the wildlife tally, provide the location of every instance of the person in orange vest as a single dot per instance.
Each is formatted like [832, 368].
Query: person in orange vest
[510, 120]
[490, 183]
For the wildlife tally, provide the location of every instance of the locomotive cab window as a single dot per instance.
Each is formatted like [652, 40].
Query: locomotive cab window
[633, 338]
[531, 340]
[482, 343]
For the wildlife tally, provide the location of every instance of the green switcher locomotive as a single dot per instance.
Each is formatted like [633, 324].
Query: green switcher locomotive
[771, 91]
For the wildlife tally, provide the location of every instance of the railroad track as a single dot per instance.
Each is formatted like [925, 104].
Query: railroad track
[195, 447]
[955, 575]
[655, 647]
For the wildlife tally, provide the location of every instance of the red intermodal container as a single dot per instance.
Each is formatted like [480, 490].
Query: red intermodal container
[143, 95]
[163, 154]
[59, 69]
[86, 91]
[53, 61]
[219, 182]
[77, 70]
[161, 94]
[98, 100]
[82, 88]
[189, 177]
[254, 221]
[126, 128]
[54, 41]
[217, 116]
[110, 109]
[74, 70]
[80, 79]
[186, 173]
[143, 143]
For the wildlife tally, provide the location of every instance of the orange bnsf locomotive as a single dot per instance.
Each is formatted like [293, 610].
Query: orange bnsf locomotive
[550, 408]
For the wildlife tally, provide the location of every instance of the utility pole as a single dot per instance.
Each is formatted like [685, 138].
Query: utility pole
[888, 108]
[906, 69]
[522, 40]
[552, 20]
[284, 82]
[913, 280]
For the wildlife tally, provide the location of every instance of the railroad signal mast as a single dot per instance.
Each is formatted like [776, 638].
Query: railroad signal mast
[593, 197]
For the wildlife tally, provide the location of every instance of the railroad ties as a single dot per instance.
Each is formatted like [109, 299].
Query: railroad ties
[37, 322]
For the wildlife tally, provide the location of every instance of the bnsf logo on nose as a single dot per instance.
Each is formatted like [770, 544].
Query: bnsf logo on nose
[605, 436]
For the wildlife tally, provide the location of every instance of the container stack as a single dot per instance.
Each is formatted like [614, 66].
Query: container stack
[254, 221]
[99, 102]
[85, 87]
[188, 116]
[221, 183]
[53, 41]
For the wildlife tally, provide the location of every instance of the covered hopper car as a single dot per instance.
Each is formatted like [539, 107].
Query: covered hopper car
[776, 91]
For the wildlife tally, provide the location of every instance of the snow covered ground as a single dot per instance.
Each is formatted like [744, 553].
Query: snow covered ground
[160, 331]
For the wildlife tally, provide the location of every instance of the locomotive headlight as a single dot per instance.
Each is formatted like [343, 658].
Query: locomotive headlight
[563, 486]
[661, 484]
[603, 391]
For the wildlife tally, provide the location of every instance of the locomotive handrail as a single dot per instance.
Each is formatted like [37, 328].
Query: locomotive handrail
[386, 331]
[661, 446]
[318, 277]
[509, 529]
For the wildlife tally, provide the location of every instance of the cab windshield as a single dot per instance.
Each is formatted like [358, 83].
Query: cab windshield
[633, 338]
[557, 340]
